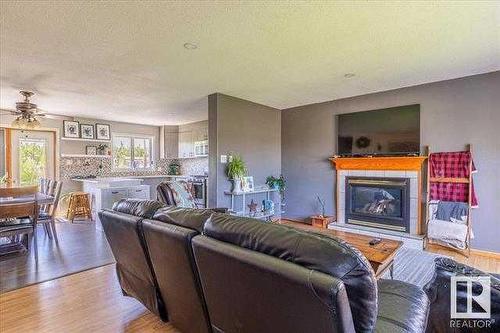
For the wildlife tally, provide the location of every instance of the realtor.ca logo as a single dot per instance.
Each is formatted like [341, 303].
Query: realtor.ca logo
[475, 309]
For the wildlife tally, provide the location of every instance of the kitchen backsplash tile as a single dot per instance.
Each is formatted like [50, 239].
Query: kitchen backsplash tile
[101, 167]
[194, 166]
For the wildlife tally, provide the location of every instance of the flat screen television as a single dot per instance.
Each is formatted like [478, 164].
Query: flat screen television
[384, 132]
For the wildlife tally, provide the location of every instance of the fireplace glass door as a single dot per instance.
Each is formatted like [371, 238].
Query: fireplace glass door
[378, 202]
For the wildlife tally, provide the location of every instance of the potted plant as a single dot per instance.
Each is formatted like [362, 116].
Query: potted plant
[276, 183]
[236, 169]
[321, 220]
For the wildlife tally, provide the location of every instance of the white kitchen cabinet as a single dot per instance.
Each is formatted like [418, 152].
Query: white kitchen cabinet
[193, 139]
[171, 142]
[186, 144]
[111, 195]
[105, 192]
[139, 192]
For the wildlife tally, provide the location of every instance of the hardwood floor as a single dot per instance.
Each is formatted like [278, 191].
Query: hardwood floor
[80, 247]
[89, 301]
[481, 262]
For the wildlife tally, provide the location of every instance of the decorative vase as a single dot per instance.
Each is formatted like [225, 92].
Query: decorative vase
[237, 185]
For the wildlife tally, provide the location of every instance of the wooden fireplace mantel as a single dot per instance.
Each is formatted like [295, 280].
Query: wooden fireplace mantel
[388, 163]
[379, 163]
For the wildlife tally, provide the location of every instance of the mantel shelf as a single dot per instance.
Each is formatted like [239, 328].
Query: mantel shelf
[401, 163]
[84, 140]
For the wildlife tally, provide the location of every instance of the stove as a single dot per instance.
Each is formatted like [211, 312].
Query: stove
[199, 189]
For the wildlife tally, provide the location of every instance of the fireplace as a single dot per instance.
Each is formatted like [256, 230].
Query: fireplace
[378, 202]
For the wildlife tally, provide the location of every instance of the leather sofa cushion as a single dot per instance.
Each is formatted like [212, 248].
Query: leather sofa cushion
[191, 218]
[402, 307]
[137, 207]
[169, 247]
[250, 292]
[133, 266]
[313, 251]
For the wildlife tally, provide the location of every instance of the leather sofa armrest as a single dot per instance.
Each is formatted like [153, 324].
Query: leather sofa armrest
[138, 207]
[438, 291]
[403, 307]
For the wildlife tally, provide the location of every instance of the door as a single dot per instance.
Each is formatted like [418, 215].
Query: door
[31, 156]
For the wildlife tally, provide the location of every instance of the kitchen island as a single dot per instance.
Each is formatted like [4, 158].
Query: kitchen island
[105, 191]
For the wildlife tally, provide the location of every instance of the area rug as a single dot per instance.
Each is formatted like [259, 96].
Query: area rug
[414, 266]
[81, 247]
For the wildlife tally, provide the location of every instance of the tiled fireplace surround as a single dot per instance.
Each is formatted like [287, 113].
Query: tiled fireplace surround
[374, 168]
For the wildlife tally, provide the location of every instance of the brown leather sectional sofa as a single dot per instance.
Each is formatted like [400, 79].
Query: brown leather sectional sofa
[212, 272]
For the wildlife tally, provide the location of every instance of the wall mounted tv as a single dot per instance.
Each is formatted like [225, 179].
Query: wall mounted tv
[385, 132]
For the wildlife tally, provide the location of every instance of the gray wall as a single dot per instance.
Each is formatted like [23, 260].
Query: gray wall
[243, 128]
[2, 153]
[453, 113]
[78, 147]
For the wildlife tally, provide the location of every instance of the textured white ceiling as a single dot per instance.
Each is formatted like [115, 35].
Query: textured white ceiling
[125, 60]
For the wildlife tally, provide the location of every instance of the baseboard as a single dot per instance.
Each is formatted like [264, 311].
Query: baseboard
[293, 220]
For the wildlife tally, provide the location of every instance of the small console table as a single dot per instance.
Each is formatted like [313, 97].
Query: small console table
[242, 212]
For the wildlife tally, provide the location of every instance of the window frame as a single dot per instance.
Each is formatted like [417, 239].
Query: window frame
[132, 137]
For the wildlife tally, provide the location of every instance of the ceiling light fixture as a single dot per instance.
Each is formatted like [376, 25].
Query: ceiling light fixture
[190, 46]
[349, 75]
[26, 112]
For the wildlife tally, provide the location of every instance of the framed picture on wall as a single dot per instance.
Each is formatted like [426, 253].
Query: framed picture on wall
[91, 150]
[71, 129]
[103, 132]
[87, 131]
[247, 184]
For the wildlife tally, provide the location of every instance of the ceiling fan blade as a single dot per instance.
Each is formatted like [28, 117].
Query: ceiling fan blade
[9, 112]
[56, 116]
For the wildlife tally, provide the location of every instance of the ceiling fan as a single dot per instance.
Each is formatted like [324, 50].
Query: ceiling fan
[27, 112]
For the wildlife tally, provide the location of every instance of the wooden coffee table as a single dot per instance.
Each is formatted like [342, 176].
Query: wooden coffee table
[380, 256]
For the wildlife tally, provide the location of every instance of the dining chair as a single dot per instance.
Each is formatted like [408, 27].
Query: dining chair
[47, 213]
[19, 218]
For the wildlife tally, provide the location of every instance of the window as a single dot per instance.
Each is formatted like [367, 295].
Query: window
[132, 152]
[32, 161]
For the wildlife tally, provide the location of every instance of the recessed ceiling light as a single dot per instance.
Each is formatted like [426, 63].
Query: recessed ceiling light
[190, 46]
[349, 75]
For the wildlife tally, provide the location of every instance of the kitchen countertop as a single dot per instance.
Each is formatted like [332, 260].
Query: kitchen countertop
[107, 179]
[159, 176]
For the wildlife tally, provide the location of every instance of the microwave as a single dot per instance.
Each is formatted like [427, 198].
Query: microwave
[201, 148]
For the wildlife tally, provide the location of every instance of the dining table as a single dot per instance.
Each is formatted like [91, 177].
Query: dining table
[41, 199]
[15, 244]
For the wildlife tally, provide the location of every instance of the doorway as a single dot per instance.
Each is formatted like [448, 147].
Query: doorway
[30, 155]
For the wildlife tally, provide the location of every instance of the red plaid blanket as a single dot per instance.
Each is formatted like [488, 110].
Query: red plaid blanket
[451, 165]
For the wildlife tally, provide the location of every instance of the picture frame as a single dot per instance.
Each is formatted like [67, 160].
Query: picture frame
[247, 184]
[103, 131]
[87, 131]
[91, 150]
[71, 129]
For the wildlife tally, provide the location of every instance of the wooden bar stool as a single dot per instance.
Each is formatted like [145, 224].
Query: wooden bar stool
[79, 206]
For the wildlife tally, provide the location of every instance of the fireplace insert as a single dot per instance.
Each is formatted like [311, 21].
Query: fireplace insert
[378, 202]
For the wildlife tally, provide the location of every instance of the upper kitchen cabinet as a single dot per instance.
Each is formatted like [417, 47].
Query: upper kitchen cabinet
[186, 141]
[193, 139]
[171, 141]
[186, 144]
